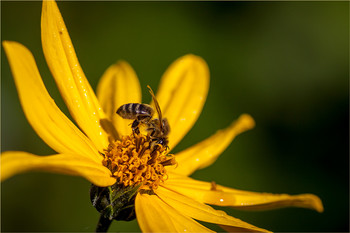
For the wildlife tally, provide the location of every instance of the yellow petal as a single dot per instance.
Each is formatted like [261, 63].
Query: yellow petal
[119, 85]
[182, 93]
[153, 215]
[206, 152]
[15, 162]
[40, 109]
[194, 209]
[70, 78]
[213, 194]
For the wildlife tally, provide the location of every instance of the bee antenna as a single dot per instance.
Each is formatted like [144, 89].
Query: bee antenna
[157, 106]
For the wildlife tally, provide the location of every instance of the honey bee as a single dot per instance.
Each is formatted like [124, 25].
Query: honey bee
[157, 128]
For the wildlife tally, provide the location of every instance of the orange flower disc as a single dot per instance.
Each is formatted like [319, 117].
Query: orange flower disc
[133, 161]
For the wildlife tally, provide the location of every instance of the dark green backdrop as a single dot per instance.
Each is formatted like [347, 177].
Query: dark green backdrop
[285, 63]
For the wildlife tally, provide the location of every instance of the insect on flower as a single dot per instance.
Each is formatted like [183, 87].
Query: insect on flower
[157, 128]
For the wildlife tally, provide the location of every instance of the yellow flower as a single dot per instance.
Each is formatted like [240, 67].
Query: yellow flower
[175, 200]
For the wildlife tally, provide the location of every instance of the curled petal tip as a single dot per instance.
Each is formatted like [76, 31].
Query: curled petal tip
[315, 202]
[308, 200]
[248, 120]
[243, 123]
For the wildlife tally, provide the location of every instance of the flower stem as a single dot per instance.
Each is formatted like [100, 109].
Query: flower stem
[103, 224]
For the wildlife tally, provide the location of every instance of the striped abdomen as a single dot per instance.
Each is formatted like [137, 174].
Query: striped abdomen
[135, 111]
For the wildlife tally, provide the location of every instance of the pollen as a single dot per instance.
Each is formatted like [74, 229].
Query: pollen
[134, 160]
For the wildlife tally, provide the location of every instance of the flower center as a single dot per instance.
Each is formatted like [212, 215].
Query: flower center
[134, 160]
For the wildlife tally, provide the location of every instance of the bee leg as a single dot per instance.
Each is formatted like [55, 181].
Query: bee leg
[135, 127]
[153, 145]
[151, 132]
[137, 130]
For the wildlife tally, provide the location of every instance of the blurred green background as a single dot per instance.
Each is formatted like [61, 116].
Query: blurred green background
[285, 63]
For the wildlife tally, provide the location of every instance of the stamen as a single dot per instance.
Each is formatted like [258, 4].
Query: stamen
[133, 161]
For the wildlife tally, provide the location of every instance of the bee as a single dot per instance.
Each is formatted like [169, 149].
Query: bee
[142, 114]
